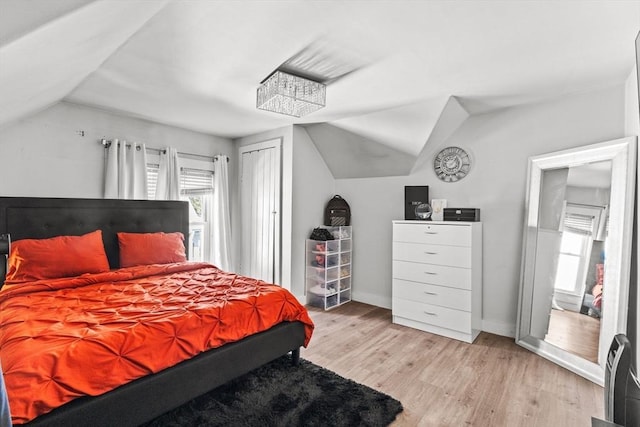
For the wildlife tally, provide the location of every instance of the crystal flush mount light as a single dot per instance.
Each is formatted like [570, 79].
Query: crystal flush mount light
[291, 95]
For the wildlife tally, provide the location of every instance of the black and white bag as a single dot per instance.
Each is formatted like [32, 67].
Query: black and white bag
[337, 212]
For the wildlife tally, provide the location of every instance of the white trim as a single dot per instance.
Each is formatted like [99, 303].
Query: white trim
[371, 299]
[499, 328]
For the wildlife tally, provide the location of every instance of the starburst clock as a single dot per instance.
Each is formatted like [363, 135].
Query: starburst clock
[452, 164]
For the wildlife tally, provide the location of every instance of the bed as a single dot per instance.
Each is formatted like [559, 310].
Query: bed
[145, 397]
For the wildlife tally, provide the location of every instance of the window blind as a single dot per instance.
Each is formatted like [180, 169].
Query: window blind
[578, 223]
[195, 182]
[152, 180]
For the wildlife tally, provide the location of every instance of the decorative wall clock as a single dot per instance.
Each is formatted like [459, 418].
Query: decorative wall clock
[452, 164]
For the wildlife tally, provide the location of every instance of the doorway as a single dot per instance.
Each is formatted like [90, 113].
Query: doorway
[260, 205]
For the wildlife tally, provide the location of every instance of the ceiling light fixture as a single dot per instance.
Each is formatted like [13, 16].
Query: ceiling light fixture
[289, 94]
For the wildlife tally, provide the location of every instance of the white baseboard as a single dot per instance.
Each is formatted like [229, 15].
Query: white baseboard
[499, 328]
[372, 299]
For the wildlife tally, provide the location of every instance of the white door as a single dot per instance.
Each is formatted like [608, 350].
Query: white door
[260, 169]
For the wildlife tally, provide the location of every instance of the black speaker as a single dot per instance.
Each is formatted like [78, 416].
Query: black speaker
[462, 214]
[414, 195]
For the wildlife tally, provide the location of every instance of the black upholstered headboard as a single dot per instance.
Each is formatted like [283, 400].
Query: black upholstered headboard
[39, 218]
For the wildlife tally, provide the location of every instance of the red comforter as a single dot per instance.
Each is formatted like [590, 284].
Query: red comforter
[65, 338]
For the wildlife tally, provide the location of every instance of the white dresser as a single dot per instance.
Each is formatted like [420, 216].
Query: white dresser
[437, 277]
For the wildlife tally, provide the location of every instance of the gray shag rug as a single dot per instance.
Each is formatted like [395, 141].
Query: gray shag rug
[279, 394]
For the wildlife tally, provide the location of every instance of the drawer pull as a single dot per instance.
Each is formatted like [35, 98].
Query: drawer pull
[430, 313]
[430, 273]
[430, 232]
[430, 293]
[431, 253]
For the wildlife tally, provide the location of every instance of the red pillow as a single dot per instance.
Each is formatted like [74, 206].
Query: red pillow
[151, 248]
[62, 256]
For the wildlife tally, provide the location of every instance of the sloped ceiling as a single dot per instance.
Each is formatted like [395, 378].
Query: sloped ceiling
[197, 63]
[42, 66]
[340, 147]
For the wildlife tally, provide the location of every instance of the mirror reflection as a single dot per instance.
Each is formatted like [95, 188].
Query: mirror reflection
[573, 218]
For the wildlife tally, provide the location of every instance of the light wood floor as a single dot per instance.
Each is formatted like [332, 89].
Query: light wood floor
[444, 382]
[575, 332]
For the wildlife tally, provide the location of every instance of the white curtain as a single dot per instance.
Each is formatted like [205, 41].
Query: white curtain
[125, 171]
[168, 186]
[220, 230]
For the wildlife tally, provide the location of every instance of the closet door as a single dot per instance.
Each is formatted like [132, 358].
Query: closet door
[260, 170]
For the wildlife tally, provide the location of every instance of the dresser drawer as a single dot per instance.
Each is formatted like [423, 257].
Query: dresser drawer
[455, 277]
[431, 294]
[433, 314]
[453, 256]
[435, 234]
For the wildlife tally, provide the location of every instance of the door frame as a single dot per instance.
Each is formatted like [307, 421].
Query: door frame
[275, 143]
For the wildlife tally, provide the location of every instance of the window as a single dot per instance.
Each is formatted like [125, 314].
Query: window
[196, 187]
[571, 261]
[579, 225]
[152, 180]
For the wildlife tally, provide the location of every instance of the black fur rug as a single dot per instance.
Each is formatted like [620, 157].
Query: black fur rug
[279, 394]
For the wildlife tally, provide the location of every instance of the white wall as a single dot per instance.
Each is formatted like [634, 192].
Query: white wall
[500, 144]
[55, 153]
[313, 187]
[632, 114]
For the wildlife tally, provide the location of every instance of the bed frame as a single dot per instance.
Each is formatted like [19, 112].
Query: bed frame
[148, 397]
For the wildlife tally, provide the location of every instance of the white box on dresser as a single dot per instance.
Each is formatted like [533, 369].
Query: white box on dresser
[437, 277]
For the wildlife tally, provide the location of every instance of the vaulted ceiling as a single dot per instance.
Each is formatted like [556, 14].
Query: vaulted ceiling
[197, 63]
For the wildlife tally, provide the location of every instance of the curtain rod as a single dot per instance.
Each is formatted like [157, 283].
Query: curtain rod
[107, 144]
